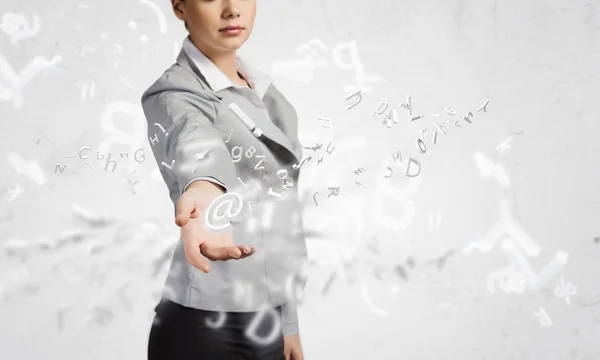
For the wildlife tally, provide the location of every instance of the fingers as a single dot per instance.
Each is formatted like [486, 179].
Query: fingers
[296, 355]
[195, 258]
[220, 253]
[292, 348]
[185, 206]
[246, 250]
[224, 253]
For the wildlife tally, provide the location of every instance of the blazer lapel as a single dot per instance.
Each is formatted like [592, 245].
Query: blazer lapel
[268, 127]
[284, 118]
[273, 129]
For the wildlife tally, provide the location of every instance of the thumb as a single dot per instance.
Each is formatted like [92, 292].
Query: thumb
[185, 206]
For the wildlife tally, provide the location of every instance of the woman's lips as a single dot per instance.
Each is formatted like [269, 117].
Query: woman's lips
[232, 30]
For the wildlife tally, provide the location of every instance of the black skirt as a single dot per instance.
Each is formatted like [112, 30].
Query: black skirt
[182, 333]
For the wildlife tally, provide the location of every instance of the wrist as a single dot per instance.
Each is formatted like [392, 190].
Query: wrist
[206, 186]
[203, 193]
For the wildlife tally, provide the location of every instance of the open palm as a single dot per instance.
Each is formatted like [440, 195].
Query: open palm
[199, 241]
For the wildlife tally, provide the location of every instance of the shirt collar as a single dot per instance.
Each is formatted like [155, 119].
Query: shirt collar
[259, 80]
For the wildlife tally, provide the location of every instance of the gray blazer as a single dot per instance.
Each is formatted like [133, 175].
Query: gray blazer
[203, 137]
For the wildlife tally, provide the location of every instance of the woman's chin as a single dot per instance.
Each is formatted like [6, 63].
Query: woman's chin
[232, 44]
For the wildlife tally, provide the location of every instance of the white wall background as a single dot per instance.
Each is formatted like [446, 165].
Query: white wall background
[72, 73]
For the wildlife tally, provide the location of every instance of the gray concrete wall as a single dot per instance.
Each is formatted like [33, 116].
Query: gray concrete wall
[498, 238]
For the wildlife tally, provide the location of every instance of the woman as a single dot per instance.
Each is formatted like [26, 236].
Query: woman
[225, 138]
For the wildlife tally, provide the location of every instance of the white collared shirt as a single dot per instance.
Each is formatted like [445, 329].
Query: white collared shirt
[258, 79]
[217, 80]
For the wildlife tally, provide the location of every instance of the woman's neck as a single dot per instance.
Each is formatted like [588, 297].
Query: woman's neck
[224, 61]
[227, 63]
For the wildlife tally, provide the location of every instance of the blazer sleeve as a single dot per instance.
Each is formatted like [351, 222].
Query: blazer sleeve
[289, 318]
[205, 178]
[191, 147]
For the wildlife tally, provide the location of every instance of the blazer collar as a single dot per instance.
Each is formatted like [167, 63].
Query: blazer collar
[215, 78]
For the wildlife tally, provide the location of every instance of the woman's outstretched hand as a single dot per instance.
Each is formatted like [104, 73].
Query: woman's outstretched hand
[199, 241]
